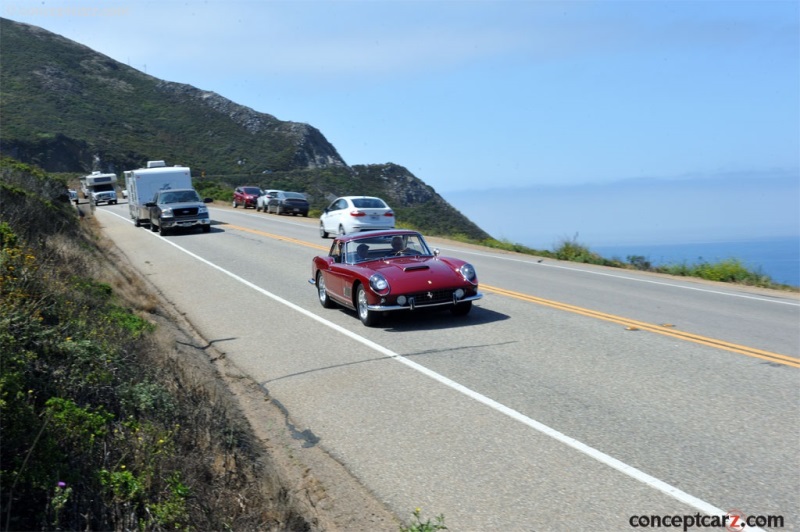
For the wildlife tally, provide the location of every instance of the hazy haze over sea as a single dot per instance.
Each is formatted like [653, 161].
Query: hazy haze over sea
[643, 212]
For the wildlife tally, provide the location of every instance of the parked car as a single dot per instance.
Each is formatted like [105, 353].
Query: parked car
[246, 196]
[288, 203]
[352, 214]
[73, 196]
[384, 271]
[263, 199]
[177, 208]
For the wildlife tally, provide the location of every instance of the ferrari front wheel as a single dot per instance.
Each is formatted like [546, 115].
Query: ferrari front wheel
[324, 299]
[368, 317]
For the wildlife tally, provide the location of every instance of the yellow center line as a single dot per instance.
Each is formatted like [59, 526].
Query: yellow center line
[634, 324]
[658, 329]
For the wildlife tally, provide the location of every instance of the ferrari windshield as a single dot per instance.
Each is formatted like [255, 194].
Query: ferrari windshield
[386, 247]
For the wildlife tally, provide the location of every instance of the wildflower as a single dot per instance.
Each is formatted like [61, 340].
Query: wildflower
[62, 485]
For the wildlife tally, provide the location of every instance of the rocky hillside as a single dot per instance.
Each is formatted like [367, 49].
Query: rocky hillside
[67, 108]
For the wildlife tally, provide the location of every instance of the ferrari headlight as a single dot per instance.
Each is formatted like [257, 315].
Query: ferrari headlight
[379, 284]
[468, 272]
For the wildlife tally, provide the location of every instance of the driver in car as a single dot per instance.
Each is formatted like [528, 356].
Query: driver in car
[397, 246]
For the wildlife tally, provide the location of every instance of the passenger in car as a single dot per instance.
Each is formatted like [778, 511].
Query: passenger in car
[362, 251]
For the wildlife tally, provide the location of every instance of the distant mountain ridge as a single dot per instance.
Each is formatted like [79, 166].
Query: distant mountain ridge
[66, 108]
[62, 98]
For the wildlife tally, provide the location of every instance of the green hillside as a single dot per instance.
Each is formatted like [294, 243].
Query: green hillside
[67, 108]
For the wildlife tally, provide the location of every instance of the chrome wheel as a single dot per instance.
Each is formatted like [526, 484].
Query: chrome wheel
[367, 317]
[324, 300]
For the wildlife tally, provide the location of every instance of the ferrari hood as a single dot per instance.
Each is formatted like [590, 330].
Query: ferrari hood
[424, 269]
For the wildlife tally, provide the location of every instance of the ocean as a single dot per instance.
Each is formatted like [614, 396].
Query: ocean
[779, 258]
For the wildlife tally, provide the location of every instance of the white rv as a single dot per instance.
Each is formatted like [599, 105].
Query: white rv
[144, 184]
[99, 188]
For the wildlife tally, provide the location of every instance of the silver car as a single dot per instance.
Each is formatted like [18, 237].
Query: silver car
[352, 214]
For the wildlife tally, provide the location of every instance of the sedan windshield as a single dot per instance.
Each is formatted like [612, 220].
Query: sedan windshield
[385, 247]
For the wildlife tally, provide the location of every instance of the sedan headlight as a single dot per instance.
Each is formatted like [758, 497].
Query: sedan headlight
[468, 272]
[379, 284]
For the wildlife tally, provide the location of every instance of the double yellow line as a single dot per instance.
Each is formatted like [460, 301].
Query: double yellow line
[666, 330]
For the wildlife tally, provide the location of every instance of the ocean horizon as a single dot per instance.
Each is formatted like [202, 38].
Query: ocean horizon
[752, 218]
[778, 258]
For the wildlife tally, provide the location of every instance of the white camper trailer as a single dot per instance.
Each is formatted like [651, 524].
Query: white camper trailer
[143, 185]
[99, 188]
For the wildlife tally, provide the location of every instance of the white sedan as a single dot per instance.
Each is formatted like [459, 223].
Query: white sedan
[352, 214]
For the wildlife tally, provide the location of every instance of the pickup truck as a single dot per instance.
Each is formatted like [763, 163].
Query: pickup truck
[178, 208]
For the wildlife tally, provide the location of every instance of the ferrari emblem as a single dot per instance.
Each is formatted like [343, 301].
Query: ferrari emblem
[430, 295]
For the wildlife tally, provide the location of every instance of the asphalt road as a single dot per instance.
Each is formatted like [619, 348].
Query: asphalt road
[573, 397]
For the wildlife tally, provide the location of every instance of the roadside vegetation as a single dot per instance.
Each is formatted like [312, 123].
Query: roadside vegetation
[730, 270]
[102, 427]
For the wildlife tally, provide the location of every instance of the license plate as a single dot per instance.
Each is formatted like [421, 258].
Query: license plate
[374, 218]
[297, 210]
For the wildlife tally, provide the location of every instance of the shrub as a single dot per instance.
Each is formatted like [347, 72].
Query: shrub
[726, 271]
[571, 250]
[91, 406]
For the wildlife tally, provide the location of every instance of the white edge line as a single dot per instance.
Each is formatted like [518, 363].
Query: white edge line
[591, 452]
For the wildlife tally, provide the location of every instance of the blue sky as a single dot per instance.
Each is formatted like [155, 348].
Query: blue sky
[498, 95]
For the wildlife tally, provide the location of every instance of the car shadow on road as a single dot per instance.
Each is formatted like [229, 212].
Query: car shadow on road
[434, 319]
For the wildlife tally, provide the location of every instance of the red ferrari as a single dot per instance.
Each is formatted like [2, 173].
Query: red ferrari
[382, 271]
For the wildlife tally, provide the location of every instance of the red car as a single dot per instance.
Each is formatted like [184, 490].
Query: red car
[381, 271]
[246, 196]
